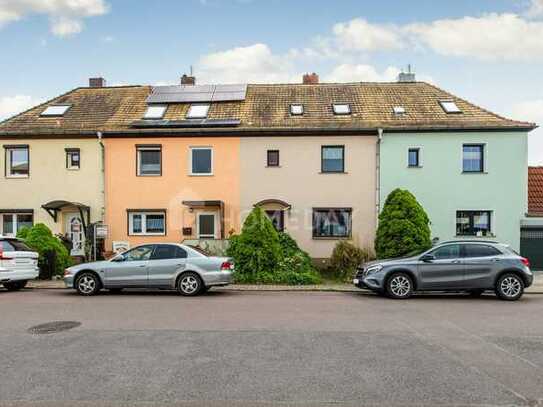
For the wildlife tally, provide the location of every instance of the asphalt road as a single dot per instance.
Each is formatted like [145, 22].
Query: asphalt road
[234, 349]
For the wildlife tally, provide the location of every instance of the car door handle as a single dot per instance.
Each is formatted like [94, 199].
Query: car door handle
[455, 262]
[142, 265]
[496, 260]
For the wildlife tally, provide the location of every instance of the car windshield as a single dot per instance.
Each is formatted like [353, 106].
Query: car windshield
[200, 250]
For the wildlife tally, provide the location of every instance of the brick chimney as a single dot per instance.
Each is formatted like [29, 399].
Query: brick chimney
[97, 82]
[188, 80]
[311, 79]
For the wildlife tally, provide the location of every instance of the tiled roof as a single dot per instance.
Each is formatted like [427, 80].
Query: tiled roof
[266, 107]
[535, 191]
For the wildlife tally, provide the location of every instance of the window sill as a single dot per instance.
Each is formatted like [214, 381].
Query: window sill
[273, 166]
[474, 172]
[475, 237]
[331, 238]
[333, 172]
[72, 169]
[148, 175]
[147, 234]
[201, 175]
[17, 176]
[414, 166]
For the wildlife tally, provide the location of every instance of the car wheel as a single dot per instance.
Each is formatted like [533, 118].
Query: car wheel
[509, 287]
[399, 286]
[87, 284]
[15, 285]
[476, 293]
[189, 284]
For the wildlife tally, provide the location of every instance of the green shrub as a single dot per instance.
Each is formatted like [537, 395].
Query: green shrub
[346, 257]
[264, 256]
[403, 226]
[40, 238]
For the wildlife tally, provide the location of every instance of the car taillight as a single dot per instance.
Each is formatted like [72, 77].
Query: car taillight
[226, 266]
[525, 261]
[4, 257]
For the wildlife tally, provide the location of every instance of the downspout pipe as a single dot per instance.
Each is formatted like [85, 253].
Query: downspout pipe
[99, 136]
[380, 134]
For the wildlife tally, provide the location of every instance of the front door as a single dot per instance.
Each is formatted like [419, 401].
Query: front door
[74, 231]
[207, 225]
[166, 261]
[131, 268]
[445, 272]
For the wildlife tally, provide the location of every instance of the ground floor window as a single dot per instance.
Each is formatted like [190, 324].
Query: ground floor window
[11, 223]
[474, 223]
[332, 222]
[146, 223]
[277, 218]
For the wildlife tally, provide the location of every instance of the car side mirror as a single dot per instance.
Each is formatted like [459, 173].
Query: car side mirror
[428, 258]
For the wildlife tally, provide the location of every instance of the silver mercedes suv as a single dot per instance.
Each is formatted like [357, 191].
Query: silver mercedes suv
[472, 266]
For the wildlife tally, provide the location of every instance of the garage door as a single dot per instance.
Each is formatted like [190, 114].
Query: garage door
[531, 246]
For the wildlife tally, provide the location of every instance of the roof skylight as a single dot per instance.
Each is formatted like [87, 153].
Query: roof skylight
[342, 108]
[398, 110]
[55, 110]
[198, 111]
[449, 106]
[155, 112]
[297, 109]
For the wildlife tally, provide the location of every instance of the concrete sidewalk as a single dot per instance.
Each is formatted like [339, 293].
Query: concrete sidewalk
[536, 288]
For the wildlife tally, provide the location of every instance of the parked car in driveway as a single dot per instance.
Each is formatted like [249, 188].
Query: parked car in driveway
[18, 263]
[187, 269]
[473, 266]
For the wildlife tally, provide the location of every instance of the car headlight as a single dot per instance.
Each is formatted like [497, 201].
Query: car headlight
[374, 269]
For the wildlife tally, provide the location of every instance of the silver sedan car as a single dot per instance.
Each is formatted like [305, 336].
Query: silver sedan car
[162, 265]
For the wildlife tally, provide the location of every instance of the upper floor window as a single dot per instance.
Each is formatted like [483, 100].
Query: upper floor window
[473, 223]
[17, 161]
[297, 109]
[73, 158]
[55, 110]
[149, 160]
[155, 112]
[413, 159]
[341, 108]
[473, 157]
[449, 106]
[333, 159]
[199, 111]
[332, 222]
[147, 223]
[273, 158]
[201, 161]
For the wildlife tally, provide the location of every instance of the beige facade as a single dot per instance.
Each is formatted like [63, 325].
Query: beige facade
[298, 186]
[51, 179]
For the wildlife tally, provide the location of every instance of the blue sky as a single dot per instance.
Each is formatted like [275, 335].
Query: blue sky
[487, 51]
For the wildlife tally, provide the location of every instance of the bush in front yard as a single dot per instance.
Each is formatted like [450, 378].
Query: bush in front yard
[40, 238]
[346, 257]
[264, 256]
[403, 226]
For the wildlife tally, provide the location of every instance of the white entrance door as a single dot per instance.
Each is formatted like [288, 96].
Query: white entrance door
[207, 225]
[74, 231]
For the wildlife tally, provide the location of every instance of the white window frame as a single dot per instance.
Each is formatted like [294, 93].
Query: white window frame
[200, 174]
[200, 236]
[293, 110]
[155, 112]
[143, 215]
[69, 163]
[399, 110]
[191, 114]
[7, 157]
[450, 107]
[138, 158]
[55, 110]
[15, 222]
[338, 111]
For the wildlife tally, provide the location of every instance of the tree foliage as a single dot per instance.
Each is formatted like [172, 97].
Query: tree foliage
[346, 257]
[403, 226]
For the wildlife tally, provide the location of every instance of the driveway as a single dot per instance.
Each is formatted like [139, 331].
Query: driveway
[266, 349]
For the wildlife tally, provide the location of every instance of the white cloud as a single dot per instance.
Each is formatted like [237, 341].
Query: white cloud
[254, 63]
[532, 111]
[65, 16]
[490, 37]
[362, 73]
[11, 105]
[360, 35]
[536, 8]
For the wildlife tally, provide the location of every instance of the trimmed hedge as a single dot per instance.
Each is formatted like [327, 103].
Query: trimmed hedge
[346, 257]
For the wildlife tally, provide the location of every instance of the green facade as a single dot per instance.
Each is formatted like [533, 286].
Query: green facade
[442, 187]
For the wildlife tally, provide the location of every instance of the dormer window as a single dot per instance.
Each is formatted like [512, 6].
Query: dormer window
[398, 110]
[155, 112]
[198, 111]
[449, 106]
[341, 108]
[297, 109]
[55, 110]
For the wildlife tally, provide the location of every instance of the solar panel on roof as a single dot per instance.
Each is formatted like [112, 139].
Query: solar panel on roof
[197, 93]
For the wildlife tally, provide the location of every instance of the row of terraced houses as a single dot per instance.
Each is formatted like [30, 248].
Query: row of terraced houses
[189, 162]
